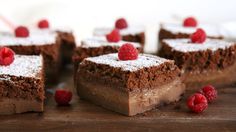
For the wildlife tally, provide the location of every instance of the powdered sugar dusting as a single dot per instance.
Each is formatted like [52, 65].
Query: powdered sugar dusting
[39, 37]
[210, 30]
[184, 45]
[101, 41]
[127, 31]
[25, 66]
[143, 61]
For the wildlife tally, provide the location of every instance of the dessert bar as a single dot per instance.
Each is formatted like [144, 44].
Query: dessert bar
[22, 85]
[129, 87]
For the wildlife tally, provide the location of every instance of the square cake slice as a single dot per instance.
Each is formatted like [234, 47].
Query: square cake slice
[129, 87]
[131, 34]
[211, 62]
[22, 85]
[96, 46]
[38, 42]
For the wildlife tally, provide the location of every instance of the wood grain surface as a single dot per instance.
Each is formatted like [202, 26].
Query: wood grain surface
[84, 116]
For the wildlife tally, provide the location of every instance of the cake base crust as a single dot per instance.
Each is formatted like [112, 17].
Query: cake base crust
[129, 103]
[11, 106]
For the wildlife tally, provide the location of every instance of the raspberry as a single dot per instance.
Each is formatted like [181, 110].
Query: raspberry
[6, 56]
[121, 23]
[43, 24]
[199, 36]
[63, 97]
[114, 36]
[21, 31]
[197, 103]
[127, 52]
[209, 92]
[190, 22]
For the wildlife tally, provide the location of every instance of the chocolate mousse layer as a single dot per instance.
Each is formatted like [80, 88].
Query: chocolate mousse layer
[129, 87]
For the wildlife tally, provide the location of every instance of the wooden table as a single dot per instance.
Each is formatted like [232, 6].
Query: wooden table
[84, 116]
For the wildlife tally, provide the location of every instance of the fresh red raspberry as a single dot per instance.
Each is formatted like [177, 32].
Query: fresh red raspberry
[43, 24]
[114, 36]
[121, 23]
[127, 52]
[197, 103]
[209, 92]
[199, 36]
[190, 22]
[6, 56]
[63, 96]
[21, 31]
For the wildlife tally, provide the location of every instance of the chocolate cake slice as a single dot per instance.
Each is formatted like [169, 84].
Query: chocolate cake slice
[131, 34]
[22, 85]
[39, 42]
[129, 87]
[211, 62]
[97, 46]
